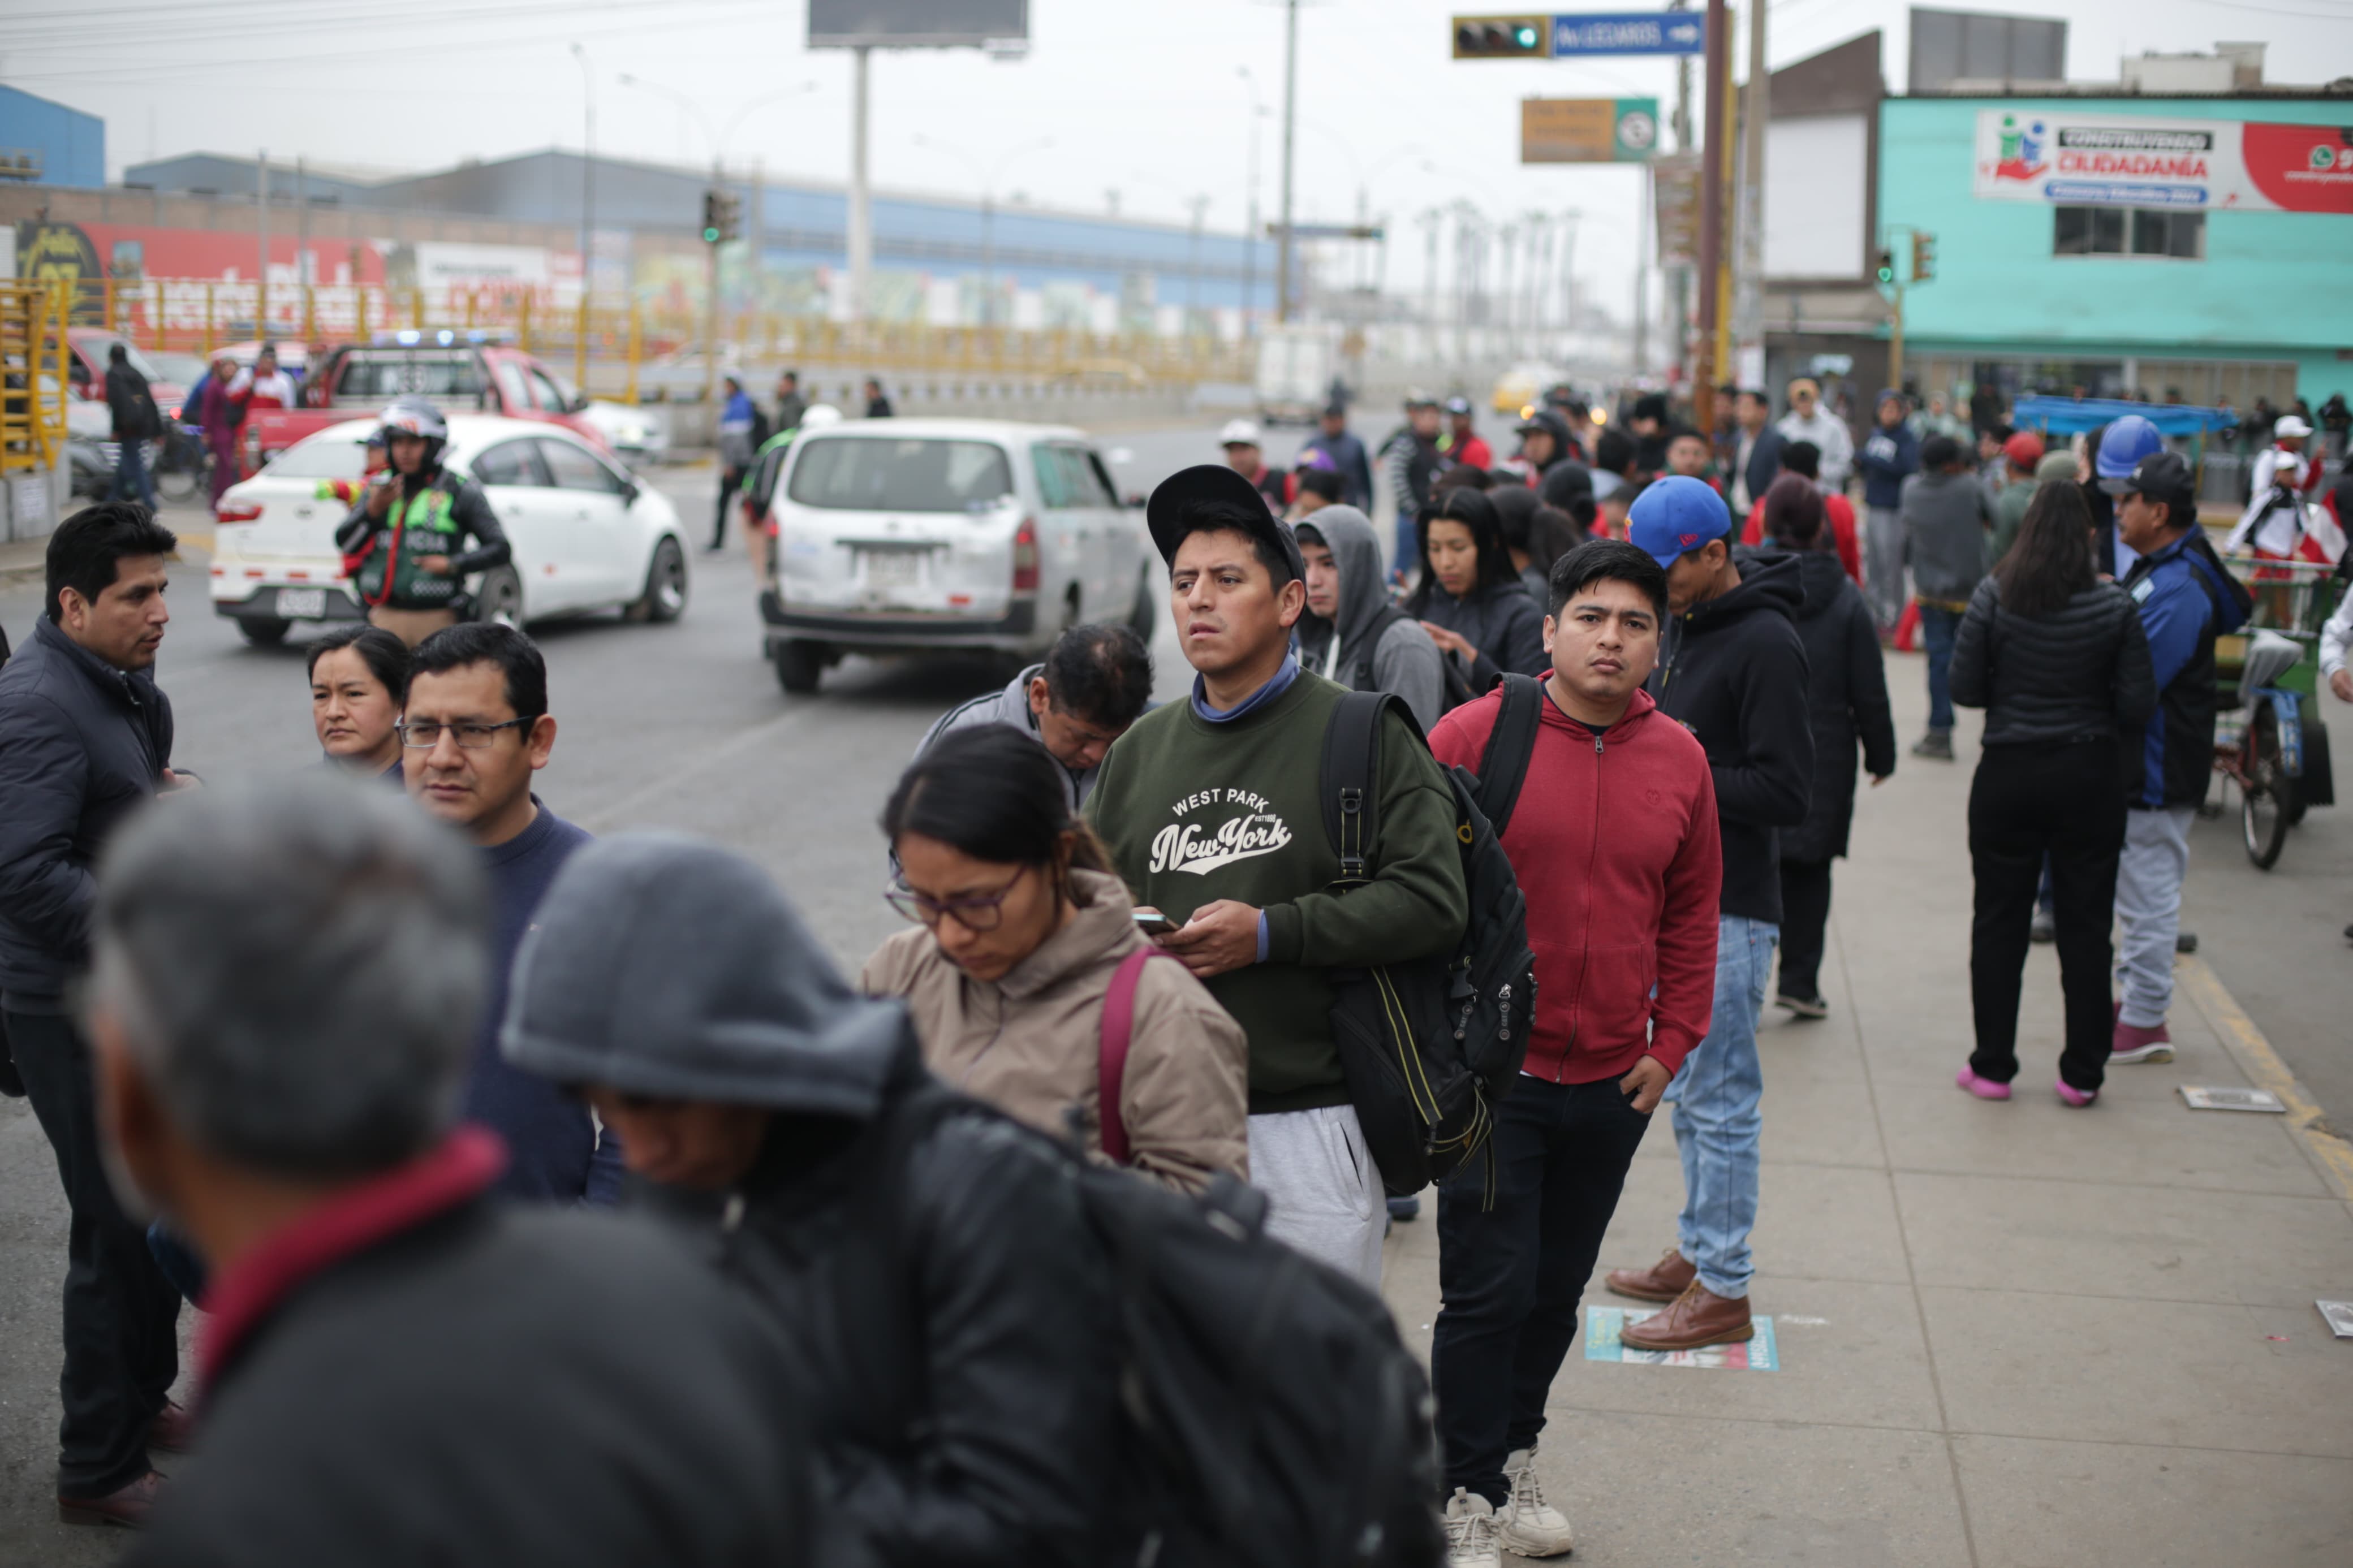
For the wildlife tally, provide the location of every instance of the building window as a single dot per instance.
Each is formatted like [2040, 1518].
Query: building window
[2129, 231]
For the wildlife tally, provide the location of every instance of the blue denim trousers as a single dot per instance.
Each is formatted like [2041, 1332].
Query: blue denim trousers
[130, 481]
[1938, 628]
[1717, 1120]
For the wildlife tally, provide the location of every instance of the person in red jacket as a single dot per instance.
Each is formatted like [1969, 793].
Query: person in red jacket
[1615, 841]
[1805, 459]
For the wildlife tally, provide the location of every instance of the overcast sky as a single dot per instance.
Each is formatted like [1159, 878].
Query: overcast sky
[1142, 99]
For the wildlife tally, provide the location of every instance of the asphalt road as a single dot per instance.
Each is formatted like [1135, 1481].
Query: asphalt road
[683, 727]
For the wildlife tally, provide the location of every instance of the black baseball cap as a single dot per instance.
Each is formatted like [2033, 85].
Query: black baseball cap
[1238, 505]
[2162, 477]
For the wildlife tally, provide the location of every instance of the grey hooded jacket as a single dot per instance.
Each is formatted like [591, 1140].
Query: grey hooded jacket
[937, 1272]
[1356, 649]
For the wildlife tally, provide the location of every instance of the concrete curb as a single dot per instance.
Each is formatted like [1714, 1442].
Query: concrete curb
[2326, 1147]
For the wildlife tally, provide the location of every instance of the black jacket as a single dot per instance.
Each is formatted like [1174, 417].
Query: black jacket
[958, 1318]
[1734, 674]
[1764, 461]
[1846, 702]
[2081, 674]
[1501, 620]
[136, 418]
[498, 1386]
[82, 745]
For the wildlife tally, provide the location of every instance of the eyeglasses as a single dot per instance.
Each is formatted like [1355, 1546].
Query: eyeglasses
[979, 913]
[424, 735]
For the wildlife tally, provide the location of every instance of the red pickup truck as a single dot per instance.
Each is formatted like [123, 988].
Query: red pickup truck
[442, 368]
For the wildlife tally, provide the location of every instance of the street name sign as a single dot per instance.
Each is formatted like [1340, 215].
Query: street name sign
[1629, 33]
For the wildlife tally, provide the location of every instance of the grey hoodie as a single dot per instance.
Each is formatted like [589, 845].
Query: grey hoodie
[1010, 707]
[1401, 658]
[1946, 528]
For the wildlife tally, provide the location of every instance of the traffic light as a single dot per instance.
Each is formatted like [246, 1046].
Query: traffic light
[1886, 264]
[1924, 257]
[722, 215]
[1502, 38]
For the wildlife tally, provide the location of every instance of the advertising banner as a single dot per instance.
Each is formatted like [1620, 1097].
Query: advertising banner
[1588, 130]
[2067, 158]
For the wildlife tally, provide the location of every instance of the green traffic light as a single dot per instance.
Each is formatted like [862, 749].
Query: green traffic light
[1887, 275]
[1527, 37]
[710, 236]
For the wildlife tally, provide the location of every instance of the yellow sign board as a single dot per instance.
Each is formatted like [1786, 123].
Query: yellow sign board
[1588, 130]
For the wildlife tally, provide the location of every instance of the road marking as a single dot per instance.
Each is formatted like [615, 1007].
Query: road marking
[202, 541]
[2239, 1037]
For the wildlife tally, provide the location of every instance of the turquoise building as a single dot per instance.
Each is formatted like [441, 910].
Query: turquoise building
[2127, 245]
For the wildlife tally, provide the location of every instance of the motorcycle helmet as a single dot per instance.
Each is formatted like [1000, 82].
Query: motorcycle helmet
[415, 417]
[2122, 447]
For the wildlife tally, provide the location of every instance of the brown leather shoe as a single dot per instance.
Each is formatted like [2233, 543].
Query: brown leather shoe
[1662, 1281]
[173, 1430]
[127, 1507]
[1697, 1317]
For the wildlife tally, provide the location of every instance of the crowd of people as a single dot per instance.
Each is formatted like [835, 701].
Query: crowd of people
[474, 1135]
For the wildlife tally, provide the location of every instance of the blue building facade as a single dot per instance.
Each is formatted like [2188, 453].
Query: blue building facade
[2126, 245]
[49, 144]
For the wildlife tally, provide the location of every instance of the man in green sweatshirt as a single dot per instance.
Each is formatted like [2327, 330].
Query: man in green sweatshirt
[1213, 811]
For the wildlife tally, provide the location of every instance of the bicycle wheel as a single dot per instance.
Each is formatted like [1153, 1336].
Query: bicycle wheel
[2267, 802]
[176, 468]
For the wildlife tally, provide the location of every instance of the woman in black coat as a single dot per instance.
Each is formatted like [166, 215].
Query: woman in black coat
[1471, 600]
[1846, 701]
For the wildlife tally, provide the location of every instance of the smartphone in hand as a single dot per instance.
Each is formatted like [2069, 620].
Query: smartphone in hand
[1152, 922]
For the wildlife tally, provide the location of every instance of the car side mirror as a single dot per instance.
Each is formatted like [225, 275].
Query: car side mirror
[579, 403]
[1135, 499]
[630, 491]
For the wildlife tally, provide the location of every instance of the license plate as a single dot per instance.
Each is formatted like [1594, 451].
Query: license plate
[893, 569]
[302, 604]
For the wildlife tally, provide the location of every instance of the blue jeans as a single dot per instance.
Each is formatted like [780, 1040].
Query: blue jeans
[130, 481]
[1717, 1119]
[1937, 629]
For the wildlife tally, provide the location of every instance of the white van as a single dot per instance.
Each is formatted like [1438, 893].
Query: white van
[976, 535]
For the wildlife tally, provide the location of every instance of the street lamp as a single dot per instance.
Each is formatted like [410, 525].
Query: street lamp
[987, 179]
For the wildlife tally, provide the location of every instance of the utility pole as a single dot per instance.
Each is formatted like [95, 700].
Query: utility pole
[711, 315]
[1680, 285]
[1748, 283]
[861, 196]
[1200, 205]
[587, 192]
[1431, 221]
[1290, 136]
[261, 233]
[1704, 369]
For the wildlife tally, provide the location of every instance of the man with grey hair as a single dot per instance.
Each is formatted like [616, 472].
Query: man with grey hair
[397, 1368]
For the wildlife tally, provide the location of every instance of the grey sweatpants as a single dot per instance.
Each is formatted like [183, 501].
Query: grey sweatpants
[1882, 564]
[1325, 1197]
[2148, 909]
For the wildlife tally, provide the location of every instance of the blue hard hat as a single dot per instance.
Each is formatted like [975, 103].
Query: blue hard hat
[2122, 447]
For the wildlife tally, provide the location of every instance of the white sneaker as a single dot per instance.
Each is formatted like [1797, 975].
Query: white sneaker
[1471, 1531]
[1529, 1526]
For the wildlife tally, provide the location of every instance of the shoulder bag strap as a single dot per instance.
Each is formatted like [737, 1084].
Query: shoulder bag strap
[1352, 741]
[1503, 764]
[1111, 1061]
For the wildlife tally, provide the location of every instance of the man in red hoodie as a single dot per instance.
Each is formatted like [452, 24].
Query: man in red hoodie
[1614, 839]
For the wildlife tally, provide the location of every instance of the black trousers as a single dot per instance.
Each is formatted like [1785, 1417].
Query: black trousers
[122, 1319]
[1511, 1276]
[1805, 914]
[730, 481]
[2064, 801]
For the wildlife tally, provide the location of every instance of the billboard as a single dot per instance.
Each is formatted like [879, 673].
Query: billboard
[1588, 130]
[1675, 200]
[1970, 46]
[914, 23]
[2064, 158]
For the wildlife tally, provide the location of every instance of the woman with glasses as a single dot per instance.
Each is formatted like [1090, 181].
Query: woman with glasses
[1028, 958]
[358, 674]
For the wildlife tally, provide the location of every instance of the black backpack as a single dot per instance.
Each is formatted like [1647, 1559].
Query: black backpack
[1430, 1046]
[1269, 1414]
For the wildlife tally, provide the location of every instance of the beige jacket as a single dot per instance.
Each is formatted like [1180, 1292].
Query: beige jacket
[1030, 1043]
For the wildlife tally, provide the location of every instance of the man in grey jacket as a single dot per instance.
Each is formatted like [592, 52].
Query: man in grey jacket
[1095, 682]
[1351, 633]
[1947, 523]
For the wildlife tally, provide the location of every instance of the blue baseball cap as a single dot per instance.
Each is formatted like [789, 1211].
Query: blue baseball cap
[1673, 515]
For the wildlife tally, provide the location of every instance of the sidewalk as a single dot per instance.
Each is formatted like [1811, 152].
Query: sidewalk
[2008, 1335]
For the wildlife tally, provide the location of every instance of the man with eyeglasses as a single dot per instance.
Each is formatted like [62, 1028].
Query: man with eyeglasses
[474, 730]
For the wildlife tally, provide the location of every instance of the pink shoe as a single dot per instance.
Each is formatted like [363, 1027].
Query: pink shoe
[1983, 1088]
[2069, 1095]
[2133, 1042]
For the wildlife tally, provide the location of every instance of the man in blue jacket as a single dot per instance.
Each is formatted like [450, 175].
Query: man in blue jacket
[86, 740]
[2187, 597]
[1891, 455]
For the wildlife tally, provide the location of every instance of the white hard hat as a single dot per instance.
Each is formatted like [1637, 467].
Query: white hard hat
[2289, 425]
[1240, 432]
[818, 416]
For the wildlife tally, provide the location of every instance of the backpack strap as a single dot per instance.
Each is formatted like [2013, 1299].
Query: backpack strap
[1503, 764]
[1390, 615]
[1111, 1060]
[1352, 815]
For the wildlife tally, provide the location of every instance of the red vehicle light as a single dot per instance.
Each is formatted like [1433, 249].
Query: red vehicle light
[1025, 557]
[237, 512]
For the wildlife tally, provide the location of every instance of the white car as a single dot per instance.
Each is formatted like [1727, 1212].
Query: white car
[893, 535]
[640, 435]
[585, 536]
